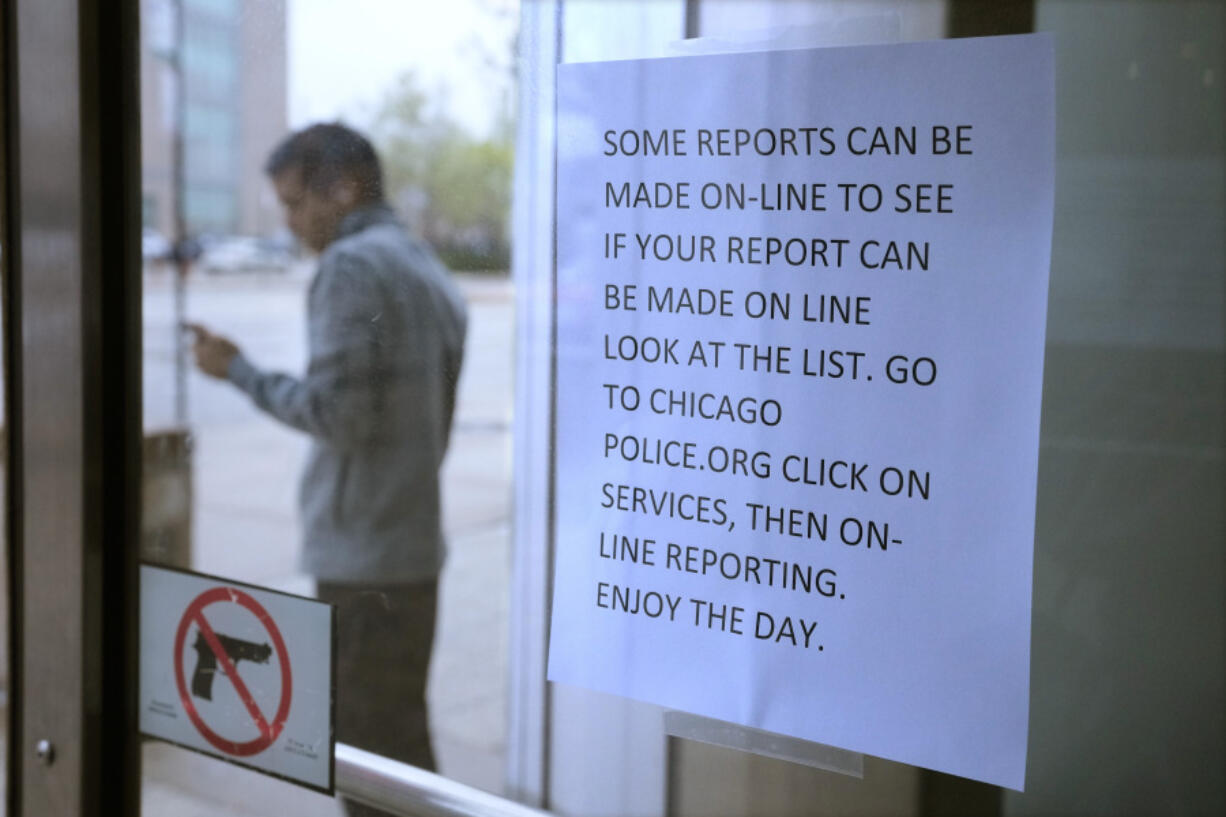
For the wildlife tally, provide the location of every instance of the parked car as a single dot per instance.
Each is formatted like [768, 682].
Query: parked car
[245, 254]
[153, 245]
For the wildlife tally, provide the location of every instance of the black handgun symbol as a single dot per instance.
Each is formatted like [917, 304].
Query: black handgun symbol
[206, 661]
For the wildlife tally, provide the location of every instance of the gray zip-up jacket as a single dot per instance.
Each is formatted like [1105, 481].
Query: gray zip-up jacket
[386, 336]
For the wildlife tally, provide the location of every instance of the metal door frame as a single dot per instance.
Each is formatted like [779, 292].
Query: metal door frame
[72, 287]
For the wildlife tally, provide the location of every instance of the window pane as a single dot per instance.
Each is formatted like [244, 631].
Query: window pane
[324, 492]
[1128, 665]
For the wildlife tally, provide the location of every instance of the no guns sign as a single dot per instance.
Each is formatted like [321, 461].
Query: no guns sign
[238, 672]
[215, 649]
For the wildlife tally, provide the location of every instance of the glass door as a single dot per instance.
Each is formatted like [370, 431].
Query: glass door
[245, 108]
[155, 174]
[1129, 523]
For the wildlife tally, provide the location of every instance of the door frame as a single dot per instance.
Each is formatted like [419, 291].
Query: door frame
[72, 376]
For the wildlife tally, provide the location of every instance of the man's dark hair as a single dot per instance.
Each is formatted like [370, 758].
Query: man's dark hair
[326, 153]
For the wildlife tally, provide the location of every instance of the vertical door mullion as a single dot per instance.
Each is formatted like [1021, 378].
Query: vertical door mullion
[76, 429]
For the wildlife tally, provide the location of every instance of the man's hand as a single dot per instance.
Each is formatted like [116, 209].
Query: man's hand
[213, 352]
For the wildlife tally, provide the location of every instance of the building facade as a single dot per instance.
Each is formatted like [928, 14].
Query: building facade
[234, 66]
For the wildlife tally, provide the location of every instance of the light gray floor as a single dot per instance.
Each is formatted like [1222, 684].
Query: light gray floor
[245, 528]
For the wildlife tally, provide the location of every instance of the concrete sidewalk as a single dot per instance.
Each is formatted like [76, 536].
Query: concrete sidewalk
[245, 526]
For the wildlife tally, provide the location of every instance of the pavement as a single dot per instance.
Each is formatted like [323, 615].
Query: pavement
[244, 526]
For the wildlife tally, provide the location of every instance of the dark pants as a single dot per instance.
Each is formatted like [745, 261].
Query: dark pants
[384, 634]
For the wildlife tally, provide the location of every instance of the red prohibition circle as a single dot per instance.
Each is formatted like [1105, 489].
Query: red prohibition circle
[268, 731]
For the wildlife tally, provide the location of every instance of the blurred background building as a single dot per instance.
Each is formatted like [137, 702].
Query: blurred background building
[234, 62]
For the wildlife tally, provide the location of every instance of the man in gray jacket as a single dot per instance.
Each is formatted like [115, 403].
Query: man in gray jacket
[386, 333]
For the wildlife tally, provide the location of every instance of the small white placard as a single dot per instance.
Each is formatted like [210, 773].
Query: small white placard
[801, 306]
[238, 672]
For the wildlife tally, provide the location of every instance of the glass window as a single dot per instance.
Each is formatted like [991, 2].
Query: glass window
[340, 449]
[234, 482]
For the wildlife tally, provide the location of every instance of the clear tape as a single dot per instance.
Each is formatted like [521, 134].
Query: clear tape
[768, 744]
[874, 29]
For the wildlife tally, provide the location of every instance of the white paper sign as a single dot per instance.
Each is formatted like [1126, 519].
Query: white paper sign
[801, 304]
[238, 672]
